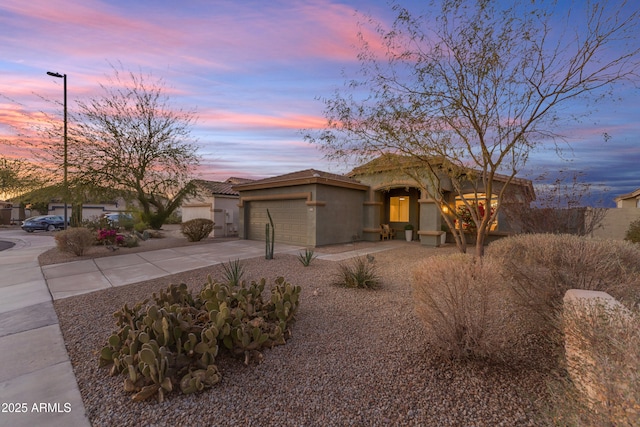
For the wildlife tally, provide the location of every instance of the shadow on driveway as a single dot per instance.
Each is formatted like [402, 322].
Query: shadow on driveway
[6, 245]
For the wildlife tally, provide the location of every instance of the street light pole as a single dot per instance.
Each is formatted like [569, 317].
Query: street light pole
[64, 163]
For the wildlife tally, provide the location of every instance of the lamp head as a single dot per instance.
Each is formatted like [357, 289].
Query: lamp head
[58, 75]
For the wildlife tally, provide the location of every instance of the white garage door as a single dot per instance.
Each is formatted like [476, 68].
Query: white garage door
[193, 212]
[289, 218]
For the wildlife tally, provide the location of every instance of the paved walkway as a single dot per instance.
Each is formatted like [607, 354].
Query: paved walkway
[36, 377]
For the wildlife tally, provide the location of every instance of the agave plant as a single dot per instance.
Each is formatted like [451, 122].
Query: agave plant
[233, 271]
[306, 257]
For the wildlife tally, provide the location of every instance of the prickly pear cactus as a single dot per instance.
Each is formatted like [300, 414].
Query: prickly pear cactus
[173, 342]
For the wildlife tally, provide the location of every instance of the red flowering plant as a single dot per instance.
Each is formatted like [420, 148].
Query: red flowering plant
[464, 215]
[109, 236]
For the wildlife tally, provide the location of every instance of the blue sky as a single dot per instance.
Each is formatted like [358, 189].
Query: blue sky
[253, 70]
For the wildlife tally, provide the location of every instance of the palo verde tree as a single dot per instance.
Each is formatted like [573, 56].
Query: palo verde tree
[133, 141]
[471, 87]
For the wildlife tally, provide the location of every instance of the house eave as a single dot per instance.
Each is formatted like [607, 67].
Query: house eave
[298, 182]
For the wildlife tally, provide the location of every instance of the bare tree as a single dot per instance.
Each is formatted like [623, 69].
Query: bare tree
[133, 141]
[563, 206]
[469, 89]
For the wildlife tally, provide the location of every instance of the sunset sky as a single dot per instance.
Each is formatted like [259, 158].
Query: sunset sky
[253, 71]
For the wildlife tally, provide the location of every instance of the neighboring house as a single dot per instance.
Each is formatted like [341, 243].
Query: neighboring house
[92, 207]
[216, 201]
[617, 220]
[90, 210]
[629, 200]
[315, 208]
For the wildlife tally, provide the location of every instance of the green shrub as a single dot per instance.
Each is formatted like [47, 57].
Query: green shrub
[306, 257]
[126, 223]
[75, 240]
[140, 227]
[465, 309]
[174, 218]
[174, 340]
[541, 268]
[359, 273]
[633, 233]
[233, 271]
[197, 229]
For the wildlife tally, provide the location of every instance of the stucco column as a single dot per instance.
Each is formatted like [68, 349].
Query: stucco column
[372, 210]
[430, 222]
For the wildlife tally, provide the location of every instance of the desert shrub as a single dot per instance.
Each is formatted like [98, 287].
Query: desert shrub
[465, 308]
[357, 273]
[126, 223]
[173, 341]
[306, 257]
[130, 241]
[174, 218]
[96, 224]
[540, 268]
[140, 227]
[607, 359]
[232, 272]
[197, 229]
[75, 240]
[633, 233]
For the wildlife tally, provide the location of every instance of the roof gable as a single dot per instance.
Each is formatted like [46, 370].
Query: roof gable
[307, 176]
[629, 196]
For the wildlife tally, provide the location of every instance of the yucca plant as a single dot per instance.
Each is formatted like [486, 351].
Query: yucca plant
[233, 271]
[306, 257]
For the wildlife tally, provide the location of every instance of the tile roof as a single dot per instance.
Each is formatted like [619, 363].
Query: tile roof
[235, 180]
[301, 177]
[216, 187]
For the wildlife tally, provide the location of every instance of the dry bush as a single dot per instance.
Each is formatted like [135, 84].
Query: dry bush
[540, 268]
[606, 357]
[465, 309]
[197, 229]
[75, 240]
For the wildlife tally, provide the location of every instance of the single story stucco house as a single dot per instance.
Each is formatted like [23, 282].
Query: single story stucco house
[314, 208]
[217, 201]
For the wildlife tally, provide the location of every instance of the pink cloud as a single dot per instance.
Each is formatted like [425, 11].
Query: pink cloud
[226, 119]
[225, 31]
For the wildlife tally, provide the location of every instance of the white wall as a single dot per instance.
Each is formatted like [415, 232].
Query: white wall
[222, 210]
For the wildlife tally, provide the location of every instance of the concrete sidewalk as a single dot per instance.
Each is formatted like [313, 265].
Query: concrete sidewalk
[37, 383]
[80, 277]
[36, 376]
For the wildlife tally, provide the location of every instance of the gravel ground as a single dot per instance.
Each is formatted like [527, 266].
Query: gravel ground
[356, 357]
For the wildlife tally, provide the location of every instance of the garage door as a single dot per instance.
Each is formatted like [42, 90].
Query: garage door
[289, 218]
[193, 212]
